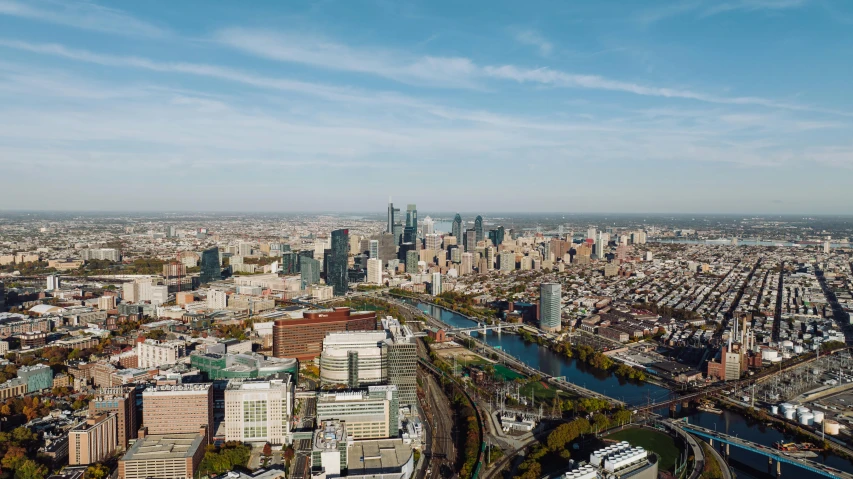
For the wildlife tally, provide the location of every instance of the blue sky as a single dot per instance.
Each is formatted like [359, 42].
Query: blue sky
[577, 106]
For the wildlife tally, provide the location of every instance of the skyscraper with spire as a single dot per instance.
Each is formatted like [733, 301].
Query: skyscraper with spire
[457, 228]
[478, 228]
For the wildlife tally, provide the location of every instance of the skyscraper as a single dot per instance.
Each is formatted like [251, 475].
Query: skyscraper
[457, 228]
[373, 248]
[478, 228]
[429, 226]
[374, 271]
[436, 283]
[336, 275]
[289, 262]
[470, 240]
[210, 269]
[410, 231]
[309, 271]
[549, 306]
[412, 261]
[391, 216]
[497, 235]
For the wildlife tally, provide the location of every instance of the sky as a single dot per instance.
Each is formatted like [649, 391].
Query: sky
[695, 106]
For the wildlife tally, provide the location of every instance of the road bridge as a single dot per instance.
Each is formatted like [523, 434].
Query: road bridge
[760, 449]
[484, 328]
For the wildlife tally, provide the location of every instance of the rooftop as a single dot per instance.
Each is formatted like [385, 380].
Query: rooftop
[384, 456]
[164, 446]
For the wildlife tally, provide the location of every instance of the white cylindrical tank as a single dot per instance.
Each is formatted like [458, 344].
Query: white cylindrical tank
[802, 409]
[774, 410]
[806, 419]
[831, 427]
[798, 349]
[786, 406]
[790, 413]
[818, 417]
[806, 336]
[787, 344]
[769, 354]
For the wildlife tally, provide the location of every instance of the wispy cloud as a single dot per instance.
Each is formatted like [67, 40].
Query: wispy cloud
[324, 53]
[83, 15]
[535, 39]
[707, 8]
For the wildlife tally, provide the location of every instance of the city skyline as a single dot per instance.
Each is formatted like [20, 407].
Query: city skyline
[660, 107]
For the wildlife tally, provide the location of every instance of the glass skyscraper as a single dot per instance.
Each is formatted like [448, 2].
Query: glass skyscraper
[478, 228]
[549, 306]
[309, 271]
[457, 228]
[210, 269]
[289, 262]
[336, 275]
[410, 232]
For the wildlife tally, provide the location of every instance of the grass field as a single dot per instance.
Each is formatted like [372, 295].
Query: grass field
[655, 441]
[506, 373]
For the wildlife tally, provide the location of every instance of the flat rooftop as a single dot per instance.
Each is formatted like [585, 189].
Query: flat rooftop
[164, 446]
[384, 456]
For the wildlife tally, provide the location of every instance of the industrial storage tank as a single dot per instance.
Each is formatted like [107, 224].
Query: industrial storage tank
[802, 409]
[769, 354]
[806, 419]
[818, 417]
[790, 413]
[786, 406]
[787, 344]
[831, 427]
[774, 410]
[798, 349]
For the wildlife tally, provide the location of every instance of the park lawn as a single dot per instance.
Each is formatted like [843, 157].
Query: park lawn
[506, 373]
[658, 442]
[542, 392]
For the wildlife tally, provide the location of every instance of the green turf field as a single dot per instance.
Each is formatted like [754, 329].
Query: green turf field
[655, 441]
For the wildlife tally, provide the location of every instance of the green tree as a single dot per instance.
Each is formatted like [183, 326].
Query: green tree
[97, 471]
[30, 469]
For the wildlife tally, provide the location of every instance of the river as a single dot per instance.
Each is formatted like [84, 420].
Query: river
[545, 360]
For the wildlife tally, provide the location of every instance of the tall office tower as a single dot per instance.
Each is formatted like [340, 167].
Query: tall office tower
[466, 265]
[410, 231]
[436, 283]
[432, 241]
[336, 275]
[401, 350]
[258, 411]
[456, 229]
[2, 297]
[373, 248]
[412, 258]
[210, 266]
[456, 254]
[217, 299]
[560, 232]
[178, 409]
[450, 240]
[478, 228]
[490, 257]
[289, 262]
[309, 272]
[392, 216]
[120, 400]
[53, 282]
[549, 306]
[398, 234]
[429, 226]
[826, 246]
[496, 236]
[590, 233]
[374, 271]
[600, 246]
[507, 261]
[93, 440]
[470, 240]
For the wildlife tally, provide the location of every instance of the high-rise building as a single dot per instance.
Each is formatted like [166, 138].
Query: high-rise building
[826, 246]
[429, 226]
[374, 271]
[412, 258]
[410, 231]
[186, 408]
[368, 413]
[309, 271]
[336, 276]
[93, 440]
[401, 350]
[120, 400]
[303, 338]
[2, 297]
[466, 265]
[456, 229]
[258, 411]
[432, 241]
[53, 282]
[392, 213]
[152, 353]
[550, 295]
[507, 260]
[210, 266]
[591, 233]
[496, 236]
[490, 257]
[478, 229]
[600, 246]
[217, 299]
[354, 359]
[289, 262]
[470, 240]
[436, 284]
[373, 248]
